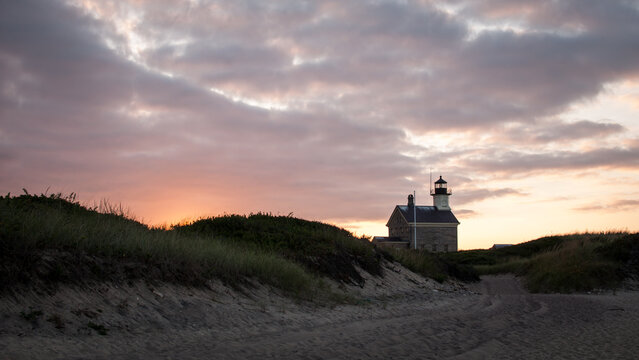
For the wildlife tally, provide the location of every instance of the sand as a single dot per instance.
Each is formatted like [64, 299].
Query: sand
[402, 316]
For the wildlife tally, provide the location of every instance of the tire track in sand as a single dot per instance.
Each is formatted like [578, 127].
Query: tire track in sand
[503, 321]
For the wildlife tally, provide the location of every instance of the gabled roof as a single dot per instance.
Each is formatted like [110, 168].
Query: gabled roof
[391, 239]
[427, 214]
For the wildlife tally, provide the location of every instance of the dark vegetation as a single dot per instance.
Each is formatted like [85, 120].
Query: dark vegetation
[435, 266]
[324, 249]
[46, 240]
[567, 263]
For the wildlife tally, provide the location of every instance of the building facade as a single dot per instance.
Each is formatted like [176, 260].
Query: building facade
[432, 228]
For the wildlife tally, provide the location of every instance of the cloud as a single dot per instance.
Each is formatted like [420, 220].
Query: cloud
[520, 162]
[465, 213]
[304, 107]
[559, 131]
[114, 124]
[566, 17]
[617, 205]
[401, 57]
[467, 196]
[500, 76]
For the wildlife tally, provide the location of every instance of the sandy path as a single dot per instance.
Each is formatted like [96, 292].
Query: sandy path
[500, 321]
[504, 322]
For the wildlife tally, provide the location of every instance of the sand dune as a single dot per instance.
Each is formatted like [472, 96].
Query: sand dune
[401, 316]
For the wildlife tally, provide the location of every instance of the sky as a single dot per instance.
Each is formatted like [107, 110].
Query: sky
[328, 110]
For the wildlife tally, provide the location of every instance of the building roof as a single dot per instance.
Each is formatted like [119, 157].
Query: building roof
[499, 246]
[441, 181]
[427, 214]
[392, 239]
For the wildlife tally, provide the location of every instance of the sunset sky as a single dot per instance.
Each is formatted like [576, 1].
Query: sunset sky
[330, 110]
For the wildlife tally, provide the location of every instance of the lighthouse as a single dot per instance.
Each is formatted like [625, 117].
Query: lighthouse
[440, 194]
[432, 228]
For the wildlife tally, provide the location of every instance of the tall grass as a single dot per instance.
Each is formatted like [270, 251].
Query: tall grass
[322, 248]
[566, 263]
[573, 266]
[513, 265]
[433, 265]
[29, 224]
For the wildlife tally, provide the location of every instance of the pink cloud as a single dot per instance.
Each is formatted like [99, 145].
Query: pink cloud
[81, 111]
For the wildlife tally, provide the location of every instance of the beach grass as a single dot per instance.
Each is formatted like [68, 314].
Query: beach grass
[563, 263]
[32, 224]
[322, 248]
[433, 265]
[581, 263]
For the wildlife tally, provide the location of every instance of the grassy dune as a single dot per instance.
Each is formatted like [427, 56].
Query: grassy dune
[52, 239]
[55, 239]
[47, 240]
[321, 248]
[577, 262]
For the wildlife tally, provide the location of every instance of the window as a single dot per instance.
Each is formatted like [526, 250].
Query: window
[446, 247]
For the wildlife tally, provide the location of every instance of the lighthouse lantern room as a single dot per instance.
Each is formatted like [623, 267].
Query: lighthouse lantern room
[440, 194]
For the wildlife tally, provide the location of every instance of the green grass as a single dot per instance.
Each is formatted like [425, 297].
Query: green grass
[321, 248]
[31, 225]
[434, 266]
[507, 254]
[566, 263]
[513, 265]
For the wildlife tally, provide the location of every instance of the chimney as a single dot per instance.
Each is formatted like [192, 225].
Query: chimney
[410, 200]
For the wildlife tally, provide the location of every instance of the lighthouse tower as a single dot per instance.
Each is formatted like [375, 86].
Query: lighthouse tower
[440, 194]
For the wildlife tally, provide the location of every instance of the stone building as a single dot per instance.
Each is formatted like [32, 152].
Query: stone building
[433, 228]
